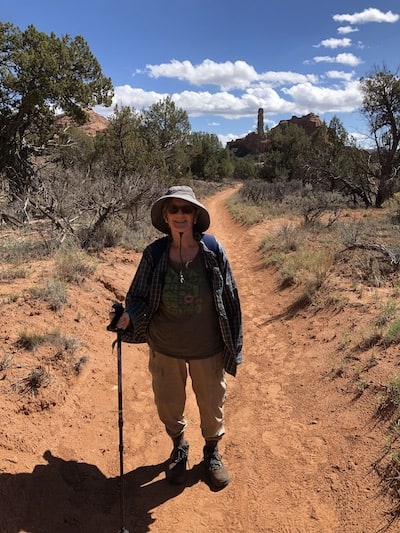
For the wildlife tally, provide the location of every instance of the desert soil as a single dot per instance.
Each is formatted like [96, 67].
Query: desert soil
[299, 446]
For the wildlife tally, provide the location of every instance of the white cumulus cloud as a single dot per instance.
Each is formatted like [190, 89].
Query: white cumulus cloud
[368, 15]
[344, 30]
[324, 99]
[227, 75]
[125, 95]
[335, 43]
[344, 59]
[339, 75]
[277, 78]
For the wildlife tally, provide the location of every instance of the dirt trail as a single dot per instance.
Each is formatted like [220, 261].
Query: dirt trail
[298, 449]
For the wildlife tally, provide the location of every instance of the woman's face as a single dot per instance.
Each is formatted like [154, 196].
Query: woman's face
[180, 215]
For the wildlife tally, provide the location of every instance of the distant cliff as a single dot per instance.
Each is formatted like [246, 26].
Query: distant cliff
[256, 143]
[94, 124]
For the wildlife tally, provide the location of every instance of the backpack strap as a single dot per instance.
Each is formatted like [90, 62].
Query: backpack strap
[210, 241]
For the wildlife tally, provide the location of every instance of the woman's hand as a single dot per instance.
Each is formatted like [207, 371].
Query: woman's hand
[123, 322]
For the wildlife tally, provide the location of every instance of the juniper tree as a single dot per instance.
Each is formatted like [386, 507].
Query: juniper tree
[39, 74]
[381, 107]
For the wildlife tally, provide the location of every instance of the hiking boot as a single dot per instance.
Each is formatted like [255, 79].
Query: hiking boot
[218, 474]
[176, 467]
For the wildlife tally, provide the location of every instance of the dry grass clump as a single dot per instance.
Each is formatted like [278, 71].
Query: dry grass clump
[19, 245]
[387, 311]
[56, 354]
[293, 252]
[392, 396]
[37, 378]
[13, 272]
[71, 264]
[54, 292]
[388, 465]
[63, 343]
[30, 340]
[6, 361]
[392, 334]
[246, 213]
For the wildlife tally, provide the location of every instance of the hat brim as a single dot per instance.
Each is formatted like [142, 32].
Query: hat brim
[157, 219]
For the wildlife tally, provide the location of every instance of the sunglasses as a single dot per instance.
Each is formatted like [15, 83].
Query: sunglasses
[184, 209]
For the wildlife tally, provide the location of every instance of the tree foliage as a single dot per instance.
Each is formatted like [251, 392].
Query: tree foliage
[38, 74]
[329, 160]
[332, 162]
[245, 168]
[208, 158]
[166, 129]
[121, 150]
[381, 108]
[288, 145]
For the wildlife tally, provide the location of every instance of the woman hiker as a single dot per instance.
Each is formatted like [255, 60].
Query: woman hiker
[183, 301]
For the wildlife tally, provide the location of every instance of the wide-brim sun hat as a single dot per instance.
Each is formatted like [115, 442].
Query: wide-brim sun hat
[183, 192]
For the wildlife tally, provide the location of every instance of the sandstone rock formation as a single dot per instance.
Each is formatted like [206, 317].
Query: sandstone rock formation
[309, 122]
[260, 123]
[256, 143]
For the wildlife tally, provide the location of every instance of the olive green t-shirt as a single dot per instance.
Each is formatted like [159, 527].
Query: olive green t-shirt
[185, 324]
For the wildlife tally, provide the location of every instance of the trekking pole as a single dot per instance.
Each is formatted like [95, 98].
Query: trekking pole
[118, 310]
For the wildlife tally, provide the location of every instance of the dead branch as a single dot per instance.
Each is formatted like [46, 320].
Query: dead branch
[10, 219]
[384, 250]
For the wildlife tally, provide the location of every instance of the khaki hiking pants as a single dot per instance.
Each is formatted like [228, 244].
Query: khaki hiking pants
[169, 376]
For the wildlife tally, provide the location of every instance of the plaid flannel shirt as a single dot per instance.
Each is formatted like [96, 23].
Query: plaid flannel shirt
[144, 296]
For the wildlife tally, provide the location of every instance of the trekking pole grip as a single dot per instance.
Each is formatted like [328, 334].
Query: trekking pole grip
[118, 310]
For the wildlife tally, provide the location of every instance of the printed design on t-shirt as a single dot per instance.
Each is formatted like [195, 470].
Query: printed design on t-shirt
[182, 299]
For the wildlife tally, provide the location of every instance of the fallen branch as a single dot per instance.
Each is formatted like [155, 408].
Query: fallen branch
[10, 219]
[384, 250]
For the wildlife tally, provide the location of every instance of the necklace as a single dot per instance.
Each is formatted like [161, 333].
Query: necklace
[182, 263]
[181, 276]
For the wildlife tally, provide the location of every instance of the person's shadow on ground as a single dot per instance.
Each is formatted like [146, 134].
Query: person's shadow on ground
[73, 497]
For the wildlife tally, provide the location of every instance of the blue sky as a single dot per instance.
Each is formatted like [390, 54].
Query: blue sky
[222, 60]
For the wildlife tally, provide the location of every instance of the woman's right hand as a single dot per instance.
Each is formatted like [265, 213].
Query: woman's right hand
[123, 322]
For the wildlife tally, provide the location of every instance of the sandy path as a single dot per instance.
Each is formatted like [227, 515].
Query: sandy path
[296, 462]
[278, 454]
